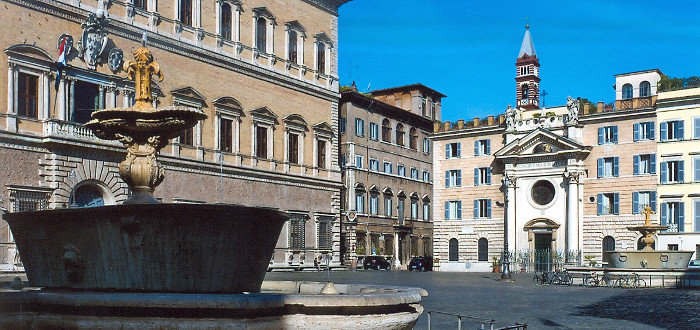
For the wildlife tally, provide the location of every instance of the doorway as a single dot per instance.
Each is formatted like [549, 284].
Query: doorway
[543, 252]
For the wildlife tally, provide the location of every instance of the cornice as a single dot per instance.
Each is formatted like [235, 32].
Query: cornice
[606, 116]
[330, 6]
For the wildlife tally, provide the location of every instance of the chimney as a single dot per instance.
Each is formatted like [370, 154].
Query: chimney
[490, 120]
[447, 125]
[600, 107]
[460, 124]
[586, 108]
[436, 127]
[476, 121]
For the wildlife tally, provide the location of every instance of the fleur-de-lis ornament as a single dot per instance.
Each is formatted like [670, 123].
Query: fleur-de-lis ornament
[140, 72]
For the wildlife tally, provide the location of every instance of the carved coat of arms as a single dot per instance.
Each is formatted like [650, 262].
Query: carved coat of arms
[93, 41]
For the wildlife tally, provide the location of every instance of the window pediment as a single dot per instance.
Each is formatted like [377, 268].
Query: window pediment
[374, 190]
[323, 128]
[296, 26]
[388, 191]
[296, 121]
[360, 187]
[189, 95]
[401, 194]
[265, 114]
[228, 104]
[541, 141]
[426, 198]
[263, 12]
[541, 223]
[322, 37]
[29, 51]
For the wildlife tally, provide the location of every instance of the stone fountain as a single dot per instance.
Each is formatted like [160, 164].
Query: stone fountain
[146, 264]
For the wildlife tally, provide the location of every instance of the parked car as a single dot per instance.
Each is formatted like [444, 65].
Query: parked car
[376, 262]
[421, 264]
[694, 264]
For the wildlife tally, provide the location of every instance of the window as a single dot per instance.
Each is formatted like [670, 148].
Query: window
[27, 95]
[401, 208]
[400, 135]
[482, 147]
[608, 203]
[373, 131]
[696, 127]
[325, 233]
[386, 130]
[644, 164]
[292, 47]
[187, 137]
[642, 199]
[525, 90]
[388, 168]
[454, 250]
[608, 245]
[261, 34]
[644, 89]
[453, 178]
[671, 130]
[360, 201]
[87, 195]
[626, 91]
[413, 139]
[453, 210]
[141, 4]
[88, 98]
[297, 230]
[374, 204]
[672, 247]
[643, 131]
[414, 173]
[414, 207]
[607, 135]
[483, 249]
[696, 206]
[321, 154]
[482, 176]
[23, 198]
[359, 127]
[426, 145]
[388, 206]
[261, 142]
[482, 208]
[432, 109]
[293, 148]
[608, 167]
[673, 216]
[186, 12]
[672, 171]
[226, 135]
[424, 107]
[373, 165]
[359, 161]
[426, 176]
[542, 192]
[453, 150]
[426, 209]
[696, 169]
[321, 58]
[343, 123]
[401, 170]
[226, 21]
[343, 160]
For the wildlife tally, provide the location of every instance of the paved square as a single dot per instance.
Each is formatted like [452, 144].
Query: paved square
[541, 307]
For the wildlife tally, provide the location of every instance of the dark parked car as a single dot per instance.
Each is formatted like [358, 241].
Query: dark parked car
[421, 264]
[375, 262]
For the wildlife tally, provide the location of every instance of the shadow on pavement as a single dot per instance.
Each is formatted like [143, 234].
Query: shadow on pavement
[665, 308]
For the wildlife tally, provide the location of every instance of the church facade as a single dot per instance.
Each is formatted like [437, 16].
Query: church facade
[555, 185]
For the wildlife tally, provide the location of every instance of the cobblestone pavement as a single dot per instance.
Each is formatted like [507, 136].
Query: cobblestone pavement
[540, 307]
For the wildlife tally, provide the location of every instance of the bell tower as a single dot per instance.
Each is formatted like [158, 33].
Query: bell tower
[527, 76]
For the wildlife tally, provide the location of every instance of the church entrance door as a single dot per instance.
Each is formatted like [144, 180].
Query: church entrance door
[543, 252]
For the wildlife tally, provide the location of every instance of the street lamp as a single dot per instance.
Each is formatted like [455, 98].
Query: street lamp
[505, 275]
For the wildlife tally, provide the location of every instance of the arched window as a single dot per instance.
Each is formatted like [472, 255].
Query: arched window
[226, 21]
[388, 202]
[525, 91]
[399, 134]
[626, 91]
[483, 249]
[644, 89]
[386, 130]
[608, 245]
[261, 35]
[454, 250]
[413, 138]
[87, 195]
[186, 12]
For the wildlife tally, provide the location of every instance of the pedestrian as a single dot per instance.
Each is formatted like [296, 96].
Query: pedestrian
[316, 264]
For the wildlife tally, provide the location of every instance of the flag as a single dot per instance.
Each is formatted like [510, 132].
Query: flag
[61, 62]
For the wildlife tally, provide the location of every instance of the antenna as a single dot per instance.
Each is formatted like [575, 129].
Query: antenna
[370, 84]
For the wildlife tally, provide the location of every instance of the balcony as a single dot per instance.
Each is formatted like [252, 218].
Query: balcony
[60, 130]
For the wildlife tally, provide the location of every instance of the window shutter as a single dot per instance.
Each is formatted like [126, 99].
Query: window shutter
[476, 209]
[652, 163]
[616, 204]
[616, 166]
[680, 171]
[476, 176]
[600, 167]
[664, 214]
[679, 130]
[459, 149]
[664, 172]
[681, 217]
[447, 210]
[447, 179]
[696, 132]
[652, 129]
[635, 202]
[488, 175]
[447, 150]
[663, 131]
[652, 200]
[635, 129]
[488, 208]
[459, 209]
[600, 135]
[635, 167]
[488, 147]
[697, 215]
[599, 199]
[459, 178]
[476, 148]
[614, 129]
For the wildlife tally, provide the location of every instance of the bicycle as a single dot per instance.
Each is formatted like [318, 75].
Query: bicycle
[630, 281]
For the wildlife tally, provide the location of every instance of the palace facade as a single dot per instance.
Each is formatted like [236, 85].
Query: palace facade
[264, 72]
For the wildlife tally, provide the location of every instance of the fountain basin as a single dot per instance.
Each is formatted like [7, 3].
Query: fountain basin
[649, 259]
[282, 305]
[204, 248]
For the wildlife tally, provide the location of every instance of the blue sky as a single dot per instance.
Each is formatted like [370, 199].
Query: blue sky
[467, 49]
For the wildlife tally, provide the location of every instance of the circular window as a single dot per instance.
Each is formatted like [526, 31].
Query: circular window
[543, 192]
